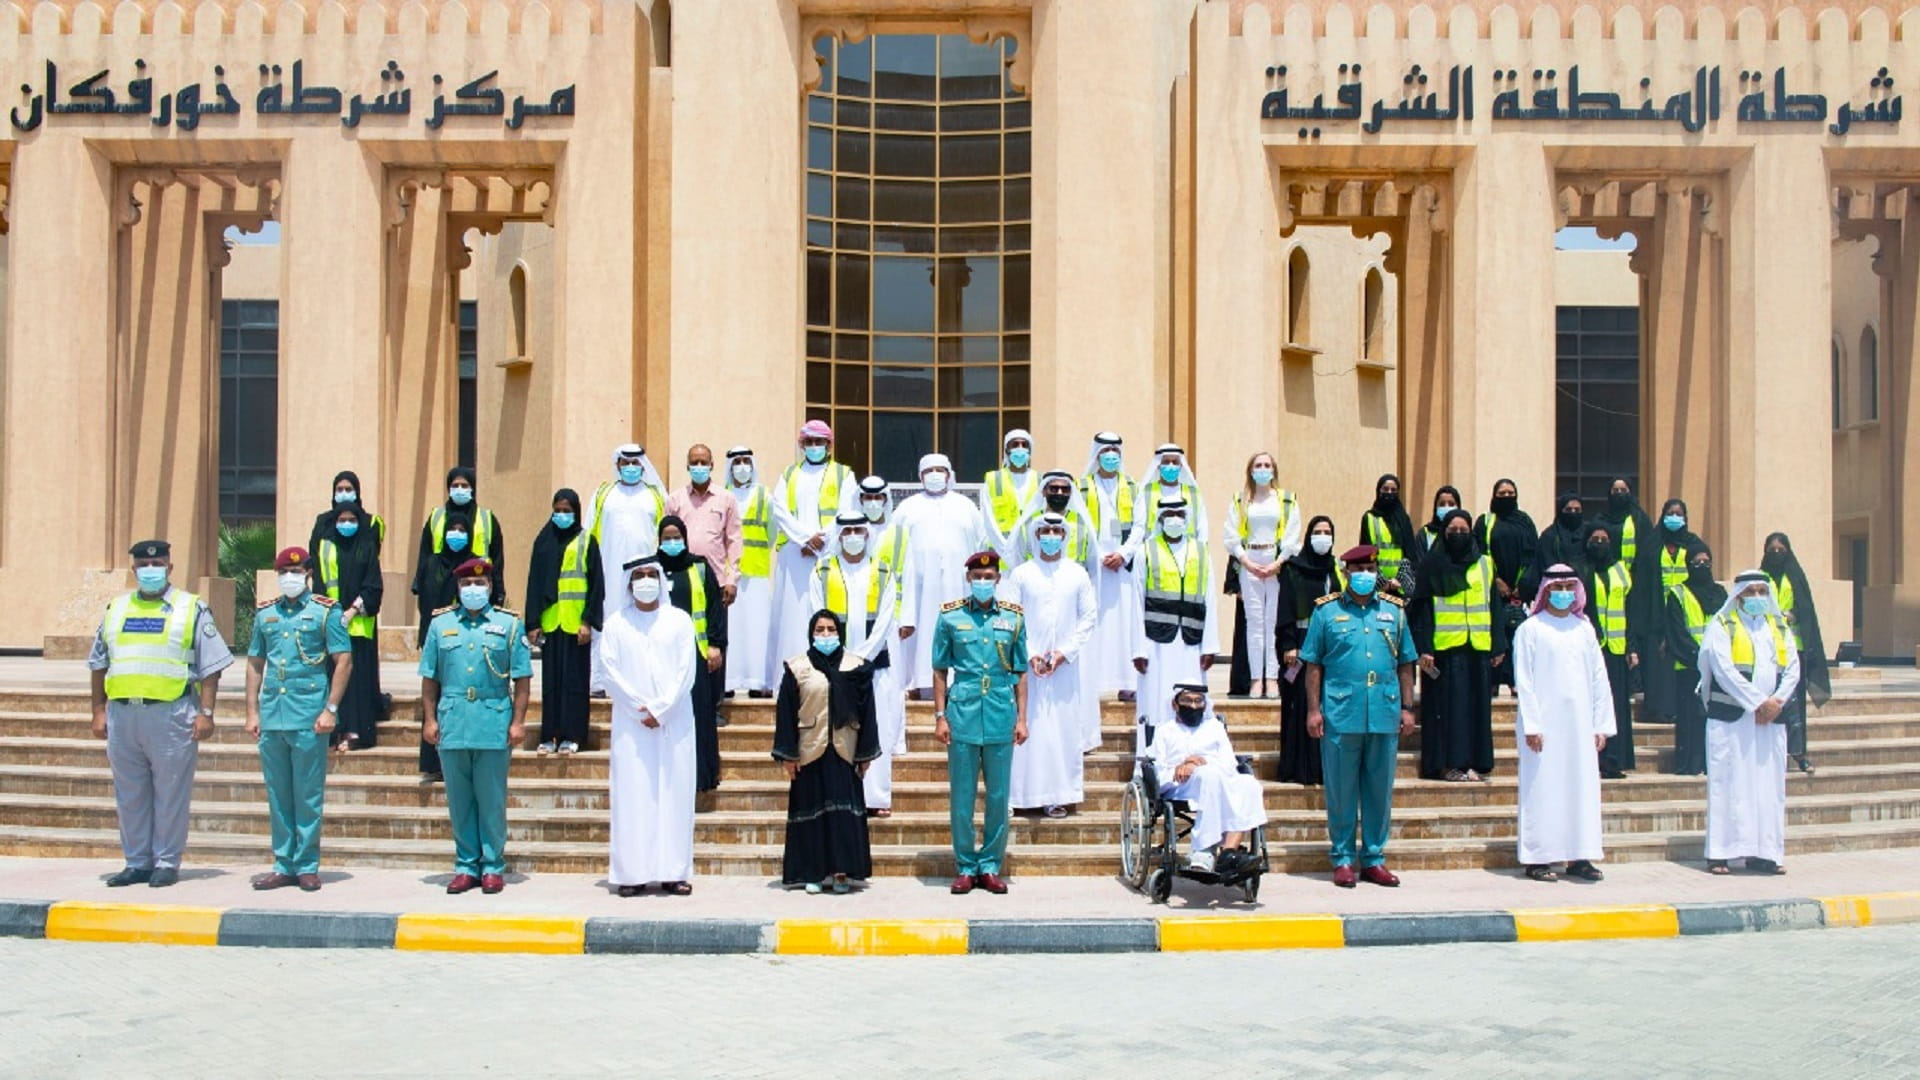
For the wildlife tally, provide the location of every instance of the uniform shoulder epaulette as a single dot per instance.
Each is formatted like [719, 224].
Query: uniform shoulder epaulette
[953, 605]
[506, 611]
[443, 610]
[1008, 605]
[1395, 600]
[264, 604]
[325, 601]
[1327, 599]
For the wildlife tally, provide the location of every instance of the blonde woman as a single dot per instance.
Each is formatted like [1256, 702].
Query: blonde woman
[1262, 533]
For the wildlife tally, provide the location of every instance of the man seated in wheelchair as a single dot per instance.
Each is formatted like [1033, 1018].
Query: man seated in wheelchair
[1193, 761]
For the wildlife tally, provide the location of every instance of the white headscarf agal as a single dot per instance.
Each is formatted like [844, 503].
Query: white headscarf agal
[1034, 510]
[649, 476]
[1743, 581]
[1152, 475]
[845, 523]
[935, 461]
[1102, 440]
[1006, 441]
[735, 455]
[1168, 506]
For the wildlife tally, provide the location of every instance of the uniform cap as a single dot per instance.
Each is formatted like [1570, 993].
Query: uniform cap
[474, 568]
[293, 558]
[151, 549]
[984, 560]
[1361, 553]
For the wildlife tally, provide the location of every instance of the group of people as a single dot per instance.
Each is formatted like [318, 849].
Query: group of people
[1015, 612]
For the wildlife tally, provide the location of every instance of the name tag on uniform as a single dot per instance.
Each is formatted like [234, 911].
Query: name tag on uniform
[1003, 624]
[1385, 616]
[271, 619]
[453, 631]
[1341, 618]
[145, 625]
[496, 630]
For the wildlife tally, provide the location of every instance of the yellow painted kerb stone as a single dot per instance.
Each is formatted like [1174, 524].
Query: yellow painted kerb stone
[1894, 907]
[148, 924]
[1581, 924]
[870, 937]
[1198, 933]
[1847, 910]
[492, 933]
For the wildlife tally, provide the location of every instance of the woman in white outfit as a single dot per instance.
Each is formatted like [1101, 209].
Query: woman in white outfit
[1262, 532]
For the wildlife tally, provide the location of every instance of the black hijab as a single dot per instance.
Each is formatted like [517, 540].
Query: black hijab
[1438, 520]
[462, 472]
[543, 570]
[1312, 572]
[1601, 565]
[848, 691]
[1685, 538]
[323, 521]
[1711, 595]
[1561, 542]
[1393, 511]
[1443, 572]
[1805, 619]
[675, 563]
[1512, 537]
[359, 557]
[1619, 508]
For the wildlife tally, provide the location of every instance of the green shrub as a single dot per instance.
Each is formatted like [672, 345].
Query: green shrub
[245, 550]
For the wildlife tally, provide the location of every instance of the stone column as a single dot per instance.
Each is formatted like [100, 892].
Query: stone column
[1683, 417]
[420, 378]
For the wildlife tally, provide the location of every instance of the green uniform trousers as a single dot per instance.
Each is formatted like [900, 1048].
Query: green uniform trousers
[1358, 772]
[965, 763]
[295, 766]
[477, 801]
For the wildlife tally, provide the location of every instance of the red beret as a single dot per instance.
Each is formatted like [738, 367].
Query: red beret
[474, 568]
[984, 560]
[293, 558]
[1361, 553]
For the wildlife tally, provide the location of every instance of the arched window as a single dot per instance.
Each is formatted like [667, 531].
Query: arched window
[517, 305]
[1299, 293]
[1869, 375]
[1373, 298]
[1839, 402]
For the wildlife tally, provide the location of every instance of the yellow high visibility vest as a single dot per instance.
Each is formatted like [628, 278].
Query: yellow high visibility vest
[829, 505]
[360, 626]
[1289, 508]
[479, 542]
[1467, 616]
[600, 505]
[566, 612]
[891, 551]
[696, 602]
[150, 646]
[1721, 706]
[1125, 491]
[756, 534]
[1783, 593]
[1391, 555]
[1673, 567]
[1696, 617]
[1003, 497]
[833, 586]
[1628, 545]
[1176, 596]
[1611, 605]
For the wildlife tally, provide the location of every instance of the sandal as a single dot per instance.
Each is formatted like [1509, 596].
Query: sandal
[1764, 866]
[1805, 763]
[1718, 866]
[678, 888]
[880, 811]
[841, 886]
[1542, 872]
[1584, 870]
[1453, 776]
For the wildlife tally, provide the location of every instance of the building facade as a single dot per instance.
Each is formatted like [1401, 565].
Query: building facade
[1322, 229]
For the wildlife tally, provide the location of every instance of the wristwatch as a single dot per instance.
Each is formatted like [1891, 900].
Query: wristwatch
[206, 712]
[941, 715]
[332, 708]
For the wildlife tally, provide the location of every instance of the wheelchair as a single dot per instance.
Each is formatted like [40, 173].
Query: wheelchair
[1151, 829]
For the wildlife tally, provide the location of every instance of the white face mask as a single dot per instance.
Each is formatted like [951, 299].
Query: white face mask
[875, 509]
[853, 544]
[935, 481]
[1174, 527]
[742, 473]
[1322, 543]
[646, 589]
[292, 584]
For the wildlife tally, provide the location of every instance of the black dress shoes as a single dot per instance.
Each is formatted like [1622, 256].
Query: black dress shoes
[163, 877]
[129, 876]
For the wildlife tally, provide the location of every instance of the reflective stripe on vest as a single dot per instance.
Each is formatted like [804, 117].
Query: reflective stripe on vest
[1673, 567]
[1628, 545]
[600, 505]
[1611, 605]
[1722, 706]
[891, 551]
[697, 604]
[1381, 537]
[1467, 616]
[360, 626]
[566, 612]
[833, 587]
[479, 540]
[828, 506]
[756, 534]
[1124, 492]
[1176, 596]
[1696, 617]
[1288, 508]
[1004, 499]
[153, 657]
[1783, 594]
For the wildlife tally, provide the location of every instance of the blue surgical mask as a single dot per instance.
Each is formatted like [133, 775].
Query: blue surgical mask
[1051, 544]
[151, 578]
[1169, 474]
[1363, 582]
[631, 474]
[980, 589]
[456, 541]
[673, 547]
[563, 519]
[474, 597]
[1262, 476]
[1110, 460]
[347, 528]
[1561, 599]
[1753, 605]
[1019, 456]
[700, 474]
[814, 454]
[828, 644]
[460, 496]
[1674, 522]
[344, 497]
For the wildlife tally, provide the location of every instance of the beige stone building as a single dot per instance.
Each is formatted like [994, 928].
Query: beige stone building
[521, 233]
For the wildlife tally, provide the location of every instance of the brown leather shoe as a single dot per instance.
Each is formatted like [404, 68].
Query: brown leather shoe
[309, 882]
[1380, 875]
[991, 883]
[492, 883]
[962, 885]
[1343, 876]
[462, 883]
[274, 880]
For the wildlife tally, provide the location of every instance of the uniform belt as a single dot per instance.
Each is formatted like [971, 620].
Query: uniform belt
[1260, 547]
[1372, 677]
[473, 693]
[986, 684]
[147, 700]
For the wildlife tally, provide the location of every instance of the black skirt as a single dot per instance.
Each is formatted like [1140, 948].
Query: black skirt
[360, 706]
[1618, 753]
[564, 669]
[1662, 684]
[1456, 714]
[1299, 751]
[1689, 727]
[706, 729]
[826, 824]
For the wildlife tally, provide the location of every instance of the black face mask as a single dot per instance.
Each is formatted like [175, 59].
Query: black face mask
[1191, 715]
[1570, 519]
[1774, 562]
[1620, 500]
[1057, 502]
[1505, 504]
[1700, 573]
[1600, 551]
[1459, 543]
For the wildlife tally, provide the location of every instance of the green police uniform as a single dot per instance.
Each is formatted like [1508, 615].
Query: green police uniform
[294, 639]
[475, 656]
[1360, 648]
[984, 651]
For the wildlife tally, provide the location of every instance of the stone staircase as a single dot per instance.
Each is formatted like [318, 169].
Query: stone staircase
[56, 797]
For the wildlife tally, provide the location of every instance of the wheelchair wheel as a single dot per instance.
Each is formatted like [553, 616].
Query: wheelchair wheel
[1136, 835]
[1160, 885]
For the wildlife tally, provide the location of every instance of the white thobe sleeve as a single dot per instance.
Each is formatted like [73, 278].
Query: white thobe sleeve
[1218, 749]
[1291, 529]
[1716, 653]
[1210, 628]
[816, 592]
[1790, 678]
[1600, 687]
[849, 492]
[1197, 515]
[622, 687]
[673, 661]
[1087, 610]
[790, 526]
[1524, 685]
[1168, 751]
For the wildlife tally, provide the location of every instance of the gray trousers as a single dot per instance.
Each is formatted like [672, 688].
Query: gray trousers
[152, 751]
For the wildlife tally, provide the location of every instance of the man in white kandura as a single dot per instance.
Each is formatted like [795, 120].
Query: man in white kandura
[1748, 670]
[809, 495]
[1005, 491]
[649, 651]
[1179, 621]
[1194, 761]
[1057, 494]
[1565, 717]
[1171, 478]
[1057, 597]
[1111, 499]
[853, 579]
[942, 530]
[624, 519]
[750, 663]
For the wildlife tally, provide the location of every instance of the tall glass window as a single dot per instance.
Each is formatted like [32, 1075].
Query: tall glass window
[249, 409]
[918, 202]
[1599, 400]
[468, 354]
